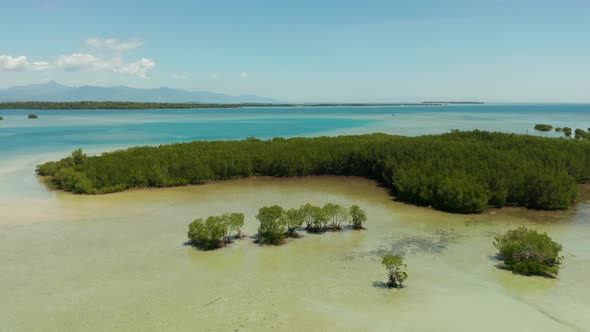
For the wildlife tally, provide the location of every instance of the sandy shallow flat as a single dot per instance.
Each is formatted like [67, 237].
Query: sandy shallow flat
[118, 262]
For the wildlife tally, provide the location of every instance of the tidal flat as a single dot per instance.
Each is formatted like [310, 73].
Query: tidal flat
[120, 262]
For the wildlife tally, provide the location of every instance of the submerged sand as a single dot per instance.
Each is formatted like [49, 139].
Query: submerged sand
[119, 262]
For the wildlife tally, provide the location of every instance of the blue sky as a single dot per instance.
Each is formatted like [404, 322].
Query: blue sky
[374, 51]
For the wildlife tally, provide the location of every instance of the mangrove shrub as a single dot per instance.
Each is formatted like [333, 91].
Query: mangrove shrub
[215, 231]
[543, 127]
[528, 252]
[314, 218]
[294, 219]
[396, 270]
[233, 222]
[581, 133]
[335, 215]
[273, 225]
[357, 217]
[207, 234]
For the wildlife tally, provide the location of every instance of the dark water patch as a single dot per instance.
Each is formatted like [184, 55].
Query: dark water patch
[434, 244]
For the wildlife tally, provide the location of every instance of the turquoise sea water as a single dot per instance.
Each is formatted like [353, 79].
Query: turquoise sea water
[61, 130]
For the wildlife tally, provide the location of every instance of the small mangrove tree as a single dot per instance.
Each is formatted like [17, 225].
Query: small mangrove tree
[396, 270]
[215, 231]
[543, 127]
[528, 252]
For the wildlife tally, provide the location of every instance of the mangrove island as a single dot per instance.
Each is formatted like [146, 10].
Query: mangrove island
[461, 172]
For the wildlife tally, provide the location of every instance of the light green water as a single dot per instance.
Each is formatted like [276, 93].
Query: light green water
[117, 262]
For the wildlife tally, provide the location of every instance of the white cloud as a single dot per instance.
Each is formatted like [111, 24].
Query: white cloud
[113, 63]
[243, 75]
[21, 63]
[89, 62]
[40, 65]
[8, 62]
[113, 44]
[76, 62]
[141, 68]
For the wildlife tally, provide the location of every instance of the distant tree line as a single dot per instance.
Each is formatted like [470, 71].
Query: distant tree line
[46, 105]
[76, 105]
[464, 172]
[30, 116]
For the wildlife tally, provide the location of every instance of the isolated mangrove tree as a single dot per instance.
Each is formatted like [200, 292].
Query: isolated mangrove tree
[396, 270]
[528, 252]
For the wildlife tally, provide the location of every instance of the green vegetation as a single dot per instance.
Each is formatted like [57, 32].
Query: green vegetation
[582, 134]
[276, 224]
[396, 270]
[528, 252]
[464, 172]
[357, 216]
[215, 231]
[234, 222]
[336, 215]
[273, 225]
[32, 116]
[294, 218]
[1, 118]
[579, 133]
[543, 127]
[207, 234]
[313, 217]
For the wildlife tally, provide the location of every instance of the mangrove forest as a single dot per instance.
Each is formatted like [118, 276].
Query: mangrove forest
[462, 172]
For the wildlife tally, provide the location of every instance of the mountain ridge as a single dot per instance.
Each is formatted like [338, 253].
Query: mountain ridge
[53, 91]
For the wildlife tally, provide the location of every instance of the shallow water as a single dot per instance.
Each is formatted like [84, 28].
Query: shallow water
[119, 262]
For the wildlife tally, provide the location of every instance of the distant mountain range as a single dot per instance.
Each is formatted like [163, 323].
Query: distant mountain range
[55, 92]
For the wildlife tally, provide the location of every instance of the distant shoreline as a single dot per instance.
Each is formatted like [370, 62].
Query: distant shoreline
[97, 105]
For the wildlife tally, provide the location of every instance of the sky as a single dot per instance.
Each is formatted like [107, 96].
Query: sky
[307, 51]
